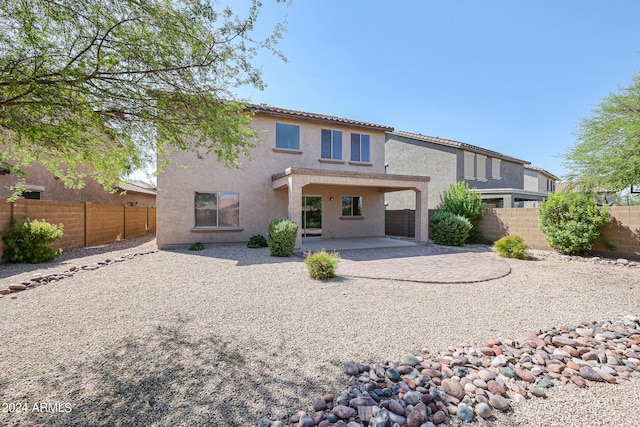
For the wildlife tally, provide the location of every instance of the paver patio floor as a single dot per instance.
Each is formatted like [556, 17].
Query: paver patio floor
[423, 263]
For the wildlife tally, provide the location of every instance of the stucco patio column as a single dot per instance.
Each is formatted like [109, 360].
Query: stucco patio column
[295, 206]
[422, 217]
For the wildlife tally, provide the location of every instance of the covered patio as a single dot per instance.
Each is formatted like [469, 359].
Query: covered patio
[332, 186]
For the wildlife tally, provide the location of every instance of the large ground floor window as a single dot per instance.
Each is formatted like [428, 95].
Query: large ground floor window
[217, 209]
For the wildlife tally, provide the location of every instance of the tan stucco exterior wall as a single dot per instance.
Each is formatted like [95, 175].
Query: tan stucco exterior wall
[259, 201]
[54, 190]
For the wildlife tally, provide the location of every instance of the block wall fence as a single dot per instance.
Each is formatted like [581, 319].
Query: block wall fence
[623, 231]
[85, 224]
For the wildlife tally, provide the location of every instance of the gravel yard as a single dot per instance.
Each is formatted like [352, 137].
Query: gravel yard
[228, 335]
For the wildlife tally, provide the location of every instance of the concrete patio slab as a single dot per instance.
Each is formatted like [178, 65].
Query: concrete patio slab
[313, 244]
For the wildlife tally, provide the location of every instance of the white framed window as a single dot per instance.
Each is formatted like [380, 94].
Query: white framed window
[217, 209]
[469, 165]
[351, 205]
[495, 169]
[481, 167]
[360, 147]
[331, 144]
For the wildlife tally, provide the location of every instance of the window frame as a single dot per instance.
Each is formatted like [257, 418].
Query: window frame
[360, 144]
[281, 127]
[469, 166]
[495, 166]
[481, 168]
[353, 213]
[335, 144]
[219, 195]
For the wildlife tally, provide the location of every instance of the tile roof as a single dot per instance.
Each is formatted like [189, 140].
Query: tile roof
[544, 171]
[283, 112]
[460, 145]
[137, 187]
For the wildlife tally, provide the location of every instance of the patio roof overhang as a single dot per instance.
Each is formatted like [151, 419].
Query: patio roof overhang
[385, 182]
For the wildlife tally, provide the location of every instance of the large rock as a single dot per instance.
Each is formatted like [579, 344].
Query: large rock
[484, 410]
[499, 402]
[344, 412]
[588, 373]
[453, 387]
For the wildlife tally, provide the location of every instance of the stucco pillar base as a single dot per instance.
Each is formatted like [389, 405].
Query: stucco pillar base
[295, 207]
[422, 217]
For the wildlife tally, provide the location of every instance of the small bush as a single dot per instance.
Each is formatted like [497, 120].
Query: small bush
[257, 241]
[281, 235]
[449, 229]
[512, 247]
[322, 265]
[28, 241]
[196, 247]
[571, 221]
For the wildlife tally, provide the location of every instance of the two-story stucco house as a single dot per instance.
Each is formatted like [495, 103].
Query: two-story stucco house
[498, 177]
[538, 180]
[326, 173]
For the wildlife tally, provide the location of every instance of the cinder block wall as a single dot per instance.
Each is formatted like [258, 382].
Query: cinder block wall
[85, 224]
[69, 214]
[135, 221]
[105, 223]
[623, 231]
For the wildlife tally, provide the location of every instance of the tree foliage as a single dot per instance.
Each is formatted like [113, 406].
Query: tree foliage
[606, 155]
[462, 200]
[113, 82]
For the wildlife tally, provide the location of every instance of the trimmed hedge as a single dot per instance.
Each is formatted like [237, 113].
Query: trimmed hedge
[449, 229]
[281, 236]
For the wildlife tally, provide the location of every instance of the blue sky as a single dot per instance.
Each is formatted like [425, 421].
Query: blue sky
[512, 76]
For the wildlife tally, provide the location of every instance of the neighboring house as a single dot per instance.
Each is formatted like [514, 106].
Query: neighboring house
[538, 180]
[326, 173]
[43, 185]
[498, 177]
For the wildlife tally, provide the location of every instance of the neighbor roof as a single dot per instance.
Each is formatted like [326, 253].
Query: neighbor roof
[550, 175]
[283, 112]
[137, 187]
[460, 145]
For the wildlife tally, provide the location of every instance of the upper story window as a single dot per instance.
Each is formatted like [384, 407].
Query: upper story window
[217, 209]
[331, 144]
[551, 185]
[287, 136]
[469, 165]
[360, 147]
[495, 169]
[481, 169]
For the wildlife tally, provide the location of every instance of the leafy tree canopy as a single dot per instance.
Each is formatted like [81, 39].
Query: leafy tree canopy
[113, 82]
[606, 155]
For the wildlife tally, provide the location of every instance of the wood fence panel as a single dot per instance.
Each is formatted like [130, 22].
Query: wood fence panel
[151, 219]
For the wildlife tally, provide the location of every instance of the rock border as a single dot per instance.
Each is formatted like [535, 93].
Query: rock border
[619, 262]
[43, 279]
[476, 381]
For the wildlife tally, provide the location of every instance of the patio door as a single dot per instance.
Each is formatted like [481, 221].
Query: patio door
[311, 216]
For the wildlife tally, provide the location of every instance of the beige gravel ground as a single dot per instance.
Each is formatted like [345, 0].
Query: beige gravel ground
[227, 335]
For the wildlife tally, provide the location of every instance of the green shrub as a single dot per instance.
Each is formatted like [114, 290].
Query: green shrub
[449, 229]
[460, 199]
[571, 221]
[512, 247]
[322, 265]
[28, 241]
[196, 247]
[281, 235]
[257, 241]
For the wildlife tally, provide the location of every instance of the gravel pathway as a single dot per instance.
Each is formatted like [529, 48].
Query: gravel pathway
[228, 335]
